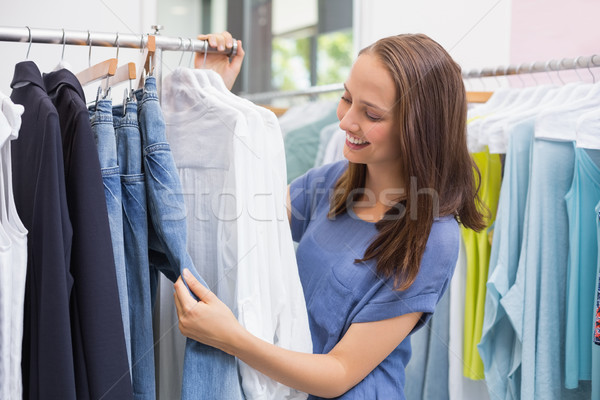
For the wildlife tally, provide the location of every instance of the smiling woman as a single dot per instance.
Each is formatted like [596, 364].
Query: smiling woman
[378, 234]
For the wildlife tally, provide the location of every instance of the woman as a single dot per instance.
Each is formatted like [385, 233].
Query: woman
[378, 234]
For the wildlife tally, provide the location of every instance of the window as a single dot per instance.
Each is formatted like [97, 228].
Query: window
[292, 45]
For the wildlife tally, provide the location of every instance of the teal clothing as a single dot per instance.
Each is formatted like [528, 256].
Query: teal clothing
[302, 145]
[498, 335]
[325, 136]
[596, 349]
[583, 259]
[535, 303]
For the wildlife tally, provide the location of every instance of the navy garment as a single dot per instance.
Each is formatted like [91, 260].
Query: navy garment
[101, 363]
[40, 198]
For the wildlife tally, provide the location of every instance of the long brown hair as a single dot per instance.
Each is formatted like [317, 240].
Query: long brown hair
[430, 116]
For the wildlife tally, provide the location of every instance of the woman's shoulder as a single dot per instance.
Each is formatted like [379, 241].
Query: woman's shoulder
[321, 177]
[329, 172]
[445, 236]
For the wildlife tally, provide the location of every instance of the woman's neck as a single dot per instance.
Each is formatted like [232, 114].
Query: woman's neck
[383, 188]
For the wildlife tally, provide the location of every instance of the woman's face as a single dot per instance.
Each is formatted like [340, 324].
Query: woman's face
[366, 114]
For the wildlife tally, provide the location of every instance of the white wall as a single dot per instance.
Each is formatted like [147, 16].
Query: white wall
[131, 16]
[475, 32]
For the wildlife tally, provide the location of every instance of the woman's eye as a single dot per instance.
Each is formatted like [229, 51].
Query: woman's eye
[346, 100]
[373, 117]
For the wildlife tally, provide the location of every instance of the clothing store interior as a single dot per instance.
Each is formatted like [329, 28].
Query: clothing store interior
[438, 245]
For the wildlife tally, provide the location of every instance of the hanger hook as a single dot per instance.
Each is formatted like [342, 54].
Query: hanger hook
[191, 53]
[576, 67]
[90, 52]
[30, 40]
[532, 72]
[64, 42]
[205, 53]
[182, 50]
[590, 70]
[495, 74]
[479, 74]
[548, 68]
[520, 75]
[117, 44]
[558, 67]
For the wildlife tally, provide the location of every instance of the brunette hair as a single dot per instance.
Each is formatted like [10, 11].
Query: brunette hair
[430, 116]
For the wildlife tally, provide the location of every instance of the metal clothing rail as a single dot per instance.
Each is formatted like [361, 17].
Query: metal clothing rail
[534, 67]
[314, 90]
[87, 38]
[116, 39]
[525, 68]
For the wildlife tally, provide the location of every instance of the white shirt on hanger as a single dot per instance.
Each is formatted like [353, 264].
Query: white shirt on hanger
[256, 273]
[17, 235]
[587, 130]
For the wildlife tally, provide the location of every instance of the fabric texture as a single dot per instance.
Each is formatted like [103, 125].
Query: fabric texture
[581, 290]
[272, 309]
[232, 170]
[340, 292]
[498, 335]
[428, 370]
[477, 246]
[41, 201]
[302, 145]
[215, 370]
[101, 120]
[460, 387]
[101, 362]
[135, 240]
[13, 258]
[535, 302]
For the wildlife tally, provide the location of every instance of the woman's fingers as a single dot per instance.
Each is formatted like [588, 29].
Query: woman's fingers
[201, 291]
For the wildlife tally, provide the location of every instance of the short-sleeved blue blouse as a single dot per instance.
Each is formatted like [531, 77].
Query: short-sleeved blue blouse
[340, 292]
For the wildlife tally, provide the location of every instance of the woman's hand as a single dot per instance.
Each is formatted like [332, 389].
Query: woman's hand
[228, 69]
[208, 320]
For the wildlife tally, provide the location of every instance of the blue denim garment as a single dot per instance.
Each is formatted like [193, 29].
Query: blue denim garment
[208, 373]
[135, 232]
[104, 133]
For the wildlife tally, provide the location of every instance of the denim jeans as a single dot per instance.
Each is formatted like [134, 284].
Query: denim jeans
[135, 232]
[208, 373]
[102, 126]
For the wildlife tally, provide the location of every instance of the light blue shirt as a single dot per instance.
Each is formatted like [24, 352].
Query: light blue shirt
[339, 291]
[583, 258]
[535, 303]
[498, 335]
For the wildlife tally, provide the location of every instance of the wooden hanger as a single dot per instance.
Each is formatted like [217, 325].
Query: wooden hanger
[147, 60]
[478, 97]
[124, 73]
[96, 72]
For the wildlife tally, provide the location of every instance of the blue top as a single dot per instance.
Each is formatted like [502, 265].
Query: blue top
[581, 203]
[340, 292]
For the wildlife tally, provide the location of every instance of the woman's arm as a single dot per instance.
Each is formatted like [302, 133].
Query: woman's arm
[362, 348]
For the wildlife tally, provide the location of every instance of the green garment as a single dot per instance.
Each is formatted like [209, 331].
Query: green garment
[478, 247]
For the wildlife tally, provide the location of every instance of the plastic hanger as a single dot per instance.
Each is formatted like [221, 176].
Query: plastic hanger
[98, 71]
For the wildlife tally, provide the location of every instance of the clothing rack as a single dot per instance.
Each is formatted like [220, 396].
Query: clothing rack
[116, 39]
[524, 68]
